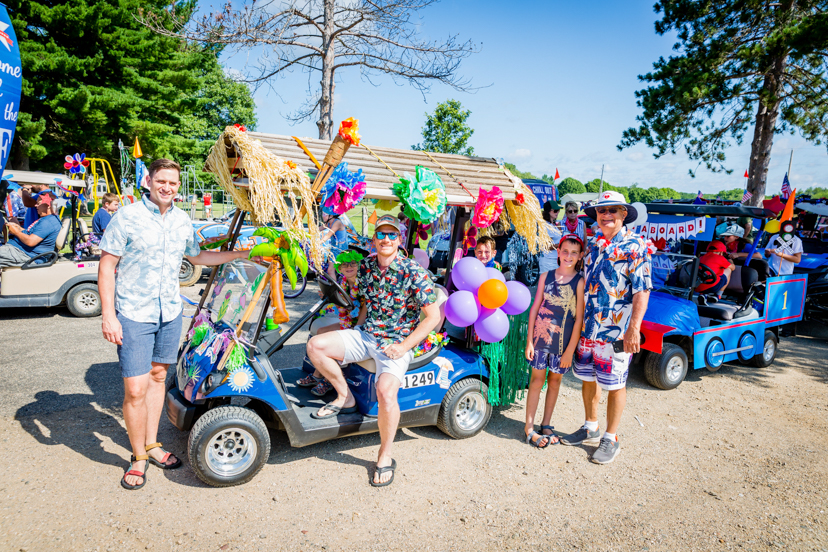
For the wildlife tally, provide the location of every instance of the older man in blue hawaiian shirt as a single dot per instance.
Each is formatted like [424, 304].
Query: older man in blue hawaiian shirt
[395, 289]
[617, 288]
[141, 305]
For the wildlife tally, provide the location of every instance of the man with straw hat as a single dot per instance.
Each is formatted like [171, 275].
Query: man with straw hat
[617, 288]
[395, 289]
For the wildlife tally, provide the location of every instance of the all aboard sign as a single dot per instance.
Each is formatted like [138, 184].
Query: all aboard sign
[11, 81]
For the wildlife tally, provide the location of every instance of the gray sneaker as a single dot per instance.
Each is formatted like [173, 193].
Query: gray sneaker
[582, 437]
[607, 451]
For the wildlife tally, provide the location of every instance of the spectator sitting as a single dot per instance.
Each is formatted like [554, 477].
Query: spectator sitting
[485, 251]
[109, 206]
[715, 260]
[39, 237]
[29, 195]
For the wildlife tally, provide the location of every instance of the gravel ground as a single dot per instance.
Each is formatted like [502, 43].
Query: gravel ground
[731, 460]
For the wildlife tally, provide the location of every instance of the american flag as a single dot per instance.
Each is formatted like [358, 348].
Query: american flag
[746, 197]
[700, 195]
[786, 187]
[699, 199]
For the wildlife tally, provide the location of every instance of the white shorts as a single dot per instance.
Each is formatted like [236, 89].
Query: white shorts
[362, 346]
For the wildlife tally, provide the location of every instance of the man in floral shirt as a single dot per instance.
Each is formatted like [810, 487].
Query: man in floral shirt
[395, 290]
[617, 289]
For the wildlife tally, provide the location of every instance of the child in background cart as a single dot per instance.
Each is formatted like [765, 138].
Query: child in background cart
[555, 323]
[347, 265]
[721, 266]
[485, 251]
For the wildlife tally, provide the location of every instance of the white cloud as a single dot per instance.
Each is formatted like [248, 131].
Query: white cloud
[521, 154]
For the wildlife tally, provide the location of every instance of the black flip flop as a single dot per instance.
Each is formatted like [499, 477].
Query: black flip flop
[380, 471]
[334, 411]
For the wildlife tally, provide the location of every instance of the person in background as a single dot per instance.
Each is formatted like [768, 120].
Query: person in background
[39, 237]
[572, 223]
[721, 266]
[109, 206]
[549, 260]
[784, 250]
[29, 196]
[485, 251]
[14, 203]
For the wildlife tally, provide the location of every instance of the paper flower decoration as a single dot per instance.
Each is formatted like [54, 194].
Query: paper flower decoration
[349, 130]
[385, 204]
[423, 196]
[343, 190]
[488, 207]
[76, 164]
[240, 127]
[470, 239]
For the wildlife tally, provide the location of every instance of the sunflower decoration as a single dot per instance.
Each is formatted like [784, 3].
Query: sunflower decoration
[343, 190]
[488, 208]
[423, 197]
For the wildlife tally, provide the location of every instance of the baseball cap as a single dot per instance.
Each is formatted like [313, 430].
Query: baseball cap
[388, 220]
[717, 246]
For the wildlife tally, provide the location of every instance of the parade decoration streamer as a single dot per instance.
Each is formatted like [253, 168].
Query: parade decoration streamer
[507, 364]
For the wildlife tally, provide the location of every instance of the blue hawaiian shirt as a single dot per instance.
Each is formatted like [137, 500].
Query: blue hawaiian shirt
[151, 247]
[615, 271]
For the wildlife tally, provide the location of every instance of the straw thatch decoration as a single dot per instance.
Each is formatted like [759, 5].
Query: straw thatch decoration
[527, 218]
[270, 178]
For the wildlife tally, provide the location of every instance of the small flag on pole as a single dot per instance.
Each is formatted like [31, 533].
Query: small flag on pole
[746, 197]
[557, 175]
[746, 174]
[699, 199]
[786, 187]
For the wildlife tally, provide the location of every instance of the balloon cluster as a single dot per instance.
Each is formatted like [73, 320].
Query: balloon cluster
[76, 164]
[484, 298]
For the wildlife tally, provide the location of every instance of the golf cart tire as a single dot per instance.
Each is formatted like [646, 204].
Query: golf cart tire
[236, 422]
[770, 340]
[189, 274]
[528, 274]
[84, 300]
[465, 410]
[658, 369]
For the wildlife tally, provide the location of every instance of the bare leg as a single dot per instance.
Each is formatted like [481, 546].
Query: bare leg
[155, 404]
[592, 395]
[135, 418]
[553, 387]
[616, 401]
[532, 400]
[388, 421]
[324, 351]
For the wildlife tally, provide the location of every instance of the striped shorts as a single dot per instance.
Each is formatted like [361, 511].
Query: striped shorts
[596, 361]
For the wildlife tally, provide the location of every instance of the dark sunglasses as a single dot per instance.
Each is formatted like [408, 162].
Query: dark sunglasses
[571, 211]
[390, 235]
[610, 210]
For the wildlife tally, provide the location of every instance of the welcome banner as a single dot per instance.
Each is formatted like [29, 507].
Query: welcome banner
[673, 228]
[11, 81]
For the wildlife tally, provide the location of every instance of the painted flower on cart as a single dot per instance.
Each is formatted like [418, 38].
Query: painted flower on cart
[488, 208]
[343, 190]
[424, 195]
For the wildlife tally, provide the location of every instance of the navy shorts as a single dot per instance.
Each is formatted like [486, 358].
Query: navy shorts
[147, 342]
[546, 360]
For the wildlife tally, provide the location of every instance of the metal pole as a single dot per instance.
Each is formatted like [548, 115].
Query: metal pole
[790, 161]
[601, 189]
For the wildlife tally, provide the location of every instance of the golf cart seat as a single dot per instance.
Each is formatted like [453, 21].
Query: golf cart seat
[65, 228]
[422, 360]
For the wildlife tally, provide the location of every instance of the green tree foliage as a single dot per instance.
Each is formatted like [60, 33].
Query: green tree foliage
[92, 74]
[518, 173]
[570, 186]
[739, 63]
[595, 185]
[446, 131]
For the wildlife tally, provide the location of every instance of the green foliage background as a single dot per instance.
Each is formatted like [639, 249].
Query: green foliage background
[446, 131]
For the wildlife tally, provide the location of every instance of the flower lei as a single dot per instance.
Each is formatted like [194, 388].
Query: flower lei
[343, 190]
[488, 208]
[434, 339]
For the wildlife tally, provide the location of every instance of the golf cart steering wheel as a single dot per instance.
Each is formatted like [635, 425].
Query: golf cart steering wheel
[332, 291]
[706, 275]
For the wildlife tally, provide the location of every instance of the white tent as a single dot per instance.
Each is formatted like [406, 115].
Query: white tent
[29, 177]
[580, 199]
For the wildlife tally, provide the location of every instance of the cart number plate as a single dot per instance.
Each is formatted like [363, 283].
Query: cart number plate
[418, 380]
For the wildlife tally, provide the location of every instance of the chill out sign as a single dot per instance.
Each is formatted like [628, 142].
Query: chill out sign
[11, 80]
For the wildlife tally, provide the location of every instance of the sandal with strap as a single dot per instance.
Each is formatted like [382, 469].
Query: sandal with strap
[163, 463]
[308, 381]
[136, 473]
[552, 435]
[537, 444]
[322, 388]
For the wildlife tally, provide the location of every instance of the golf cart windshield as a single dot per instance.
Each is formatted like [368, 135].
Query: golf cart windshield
[234, 288]
[674, 273]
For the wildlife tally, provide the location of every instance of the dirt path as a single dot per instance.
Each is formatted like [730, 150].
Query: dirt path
[732, 460]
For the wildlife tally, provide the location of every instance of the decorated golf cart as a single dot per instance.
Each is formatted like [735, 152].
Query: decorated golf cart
[683, 329]
[229, 386]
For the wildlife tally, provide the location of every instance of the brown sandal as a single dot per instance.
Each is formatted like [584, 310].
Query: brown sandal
[163, 463]
[136, 473]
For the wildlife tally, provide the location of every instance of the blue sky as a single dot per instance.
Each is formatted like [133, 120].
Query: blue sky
[560, 79]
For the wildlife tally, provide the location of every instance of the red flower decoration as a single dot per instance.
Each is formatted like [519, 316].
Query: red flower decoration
[240, 127]
[520, 199]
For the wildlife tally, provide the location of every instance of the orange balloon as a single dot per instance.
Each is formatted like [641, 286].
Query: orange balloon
[492, 294]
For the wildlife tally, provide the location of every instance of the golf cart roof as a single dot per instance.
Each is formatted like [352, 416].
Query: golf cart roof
[709, 210]
[815, 208]
[473, 172]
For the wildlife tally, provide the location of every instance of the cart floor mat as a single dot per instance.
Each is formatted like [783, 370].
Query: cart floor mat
[309, 403]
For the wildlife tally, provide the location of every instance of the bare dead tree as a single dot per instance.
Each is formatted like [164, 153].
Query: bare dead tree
[320, 37]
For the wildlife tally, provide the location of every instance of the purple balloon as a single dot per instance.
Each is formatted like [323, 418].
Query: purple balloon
[462, 309]
[493, 273]
[519, 298]
[493, 326]
[468, 274]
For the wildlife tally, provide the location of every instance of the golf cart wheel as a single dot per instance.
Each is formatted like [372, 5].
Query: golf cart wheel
[768, 354]
[301, 283]
[668, 369]
[228, 446]
[84, 300]
[189, 274]
[465, 410]
[528, 274]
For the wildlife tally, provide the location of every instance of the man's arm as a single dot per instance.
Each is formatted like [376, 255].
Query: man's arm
[111, 327]
[363, 314]
[420, 332]
[632, 339]
[213, 258]
[29, 240]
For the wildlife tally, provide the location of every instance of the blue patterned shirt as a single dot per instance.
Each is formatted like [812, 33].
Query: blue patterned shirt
[615, 271]
[151, 248]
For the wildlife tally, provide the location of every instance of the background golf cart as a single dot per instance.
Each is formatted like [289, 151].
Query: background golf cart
[683, 330]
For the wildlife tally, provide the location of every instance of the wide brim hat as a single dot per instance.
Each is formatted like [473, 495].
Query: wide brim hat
[608, 199]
